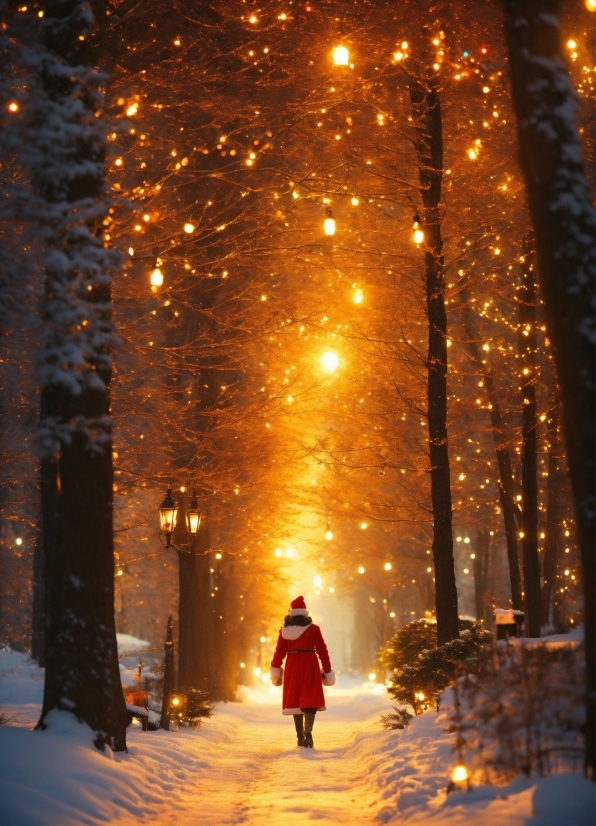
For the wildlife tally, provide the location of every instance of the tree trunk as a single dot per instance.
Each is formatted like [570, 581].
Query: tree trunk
[428, 143]
[169, 675]
[564, 224]
[508, 505]
[45, 542]
[68, 174]
[526, 303]
[481, 549]
[553, 516]
[81, 638]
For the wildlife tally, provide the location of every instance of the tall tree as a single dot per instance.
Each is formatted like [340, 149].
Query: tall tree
[565, 225]
[65, 154]
[428, 143]
[553, 514]
[508, 505]
[526, 302]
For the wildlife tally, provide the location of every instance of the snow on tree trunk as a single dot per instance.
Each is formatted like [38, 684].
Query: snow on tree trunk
[64, 153]
[428, 143]
[564, 224]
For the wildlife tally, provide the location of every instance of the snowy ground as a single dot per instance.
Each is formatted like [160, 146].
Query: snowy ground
[242, 767]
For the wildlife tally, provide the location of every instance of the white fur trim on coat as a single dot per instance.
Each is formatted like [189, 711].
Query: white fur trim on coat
[298, 612]
[287, 711]
[293, 632]
[276, 674]
[329, 678]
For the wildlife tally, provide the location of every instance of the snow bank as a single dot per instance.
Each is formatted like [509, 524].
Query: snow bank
[413, 775]
[243, 767]
[127, 644]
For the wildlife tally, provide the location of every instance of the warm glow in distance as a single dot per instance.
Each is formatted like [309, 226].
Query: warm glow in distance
[591, 5]
[329, 362]
[317, 581]
[13, 106]
[329, 226]
[358, 296]
[329, 535]
[189, 228]
[388, 566]
[341, 56]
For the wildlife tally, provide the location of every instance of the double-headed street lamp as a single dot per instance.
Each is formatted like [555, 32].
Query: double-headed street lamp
[168, 518]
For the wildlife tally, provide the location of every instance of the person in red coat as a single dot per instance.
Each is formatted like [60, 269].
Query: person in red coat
[303, 644]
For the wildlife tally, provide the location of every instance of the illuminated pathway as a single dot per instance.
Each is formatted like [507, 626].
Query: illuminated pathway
[243, 766]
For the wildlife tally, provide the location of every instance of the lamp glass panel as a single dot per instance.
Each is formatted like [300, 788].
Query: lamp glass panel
[167, 519]
[193, 521]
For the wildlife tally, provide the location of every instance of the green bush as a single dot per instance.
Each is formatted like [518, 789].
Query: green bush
[421, 670]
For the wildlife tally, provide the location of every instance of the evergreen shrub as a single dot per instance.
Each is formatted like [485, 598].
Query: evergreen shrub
[421, 669]
[193, 709]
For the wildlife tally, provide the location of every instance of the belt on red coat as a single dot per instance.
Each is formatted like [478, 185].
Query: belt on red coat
[302, 651]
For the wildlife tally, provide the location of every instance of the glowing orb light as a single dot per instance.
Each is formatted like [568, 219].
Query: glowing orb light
[329, 362]
[460, 774]
[341, 56]
[156, 278]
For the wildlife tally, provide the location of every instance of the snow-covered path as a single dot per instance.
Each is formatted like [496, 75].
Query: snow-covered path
[242, 767]
[260, 777]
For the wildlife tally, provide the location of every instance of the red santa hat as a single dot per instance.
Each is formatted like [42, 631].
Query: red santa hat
[298, 608]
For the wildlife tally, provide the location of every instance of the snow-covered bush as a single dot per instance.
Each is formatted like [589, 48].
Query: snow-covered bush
[421, 670]
[520, 710]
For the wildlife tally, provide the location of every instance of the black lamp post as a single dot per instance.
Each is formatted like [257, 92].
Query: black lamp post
[191, 543]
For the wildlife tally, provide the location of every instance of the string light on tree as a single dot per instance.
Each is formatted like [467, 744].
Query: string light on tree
[329, 225]
[417, 231]
[341, 56]
[156, 278]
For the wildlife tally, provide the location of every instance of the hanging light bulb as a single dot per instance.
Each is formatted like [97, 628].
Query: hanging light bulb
[156, 278]
[341, 56]
[417, 231]
[328, 531]
[329, 225]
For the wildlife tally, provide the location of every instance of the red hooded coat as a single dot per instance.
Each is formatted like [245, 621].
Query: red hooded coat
[302, 683]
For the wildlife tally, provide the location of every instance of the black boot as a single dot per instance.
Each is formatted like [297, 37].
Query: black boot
[299, 723]
[309, 720]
